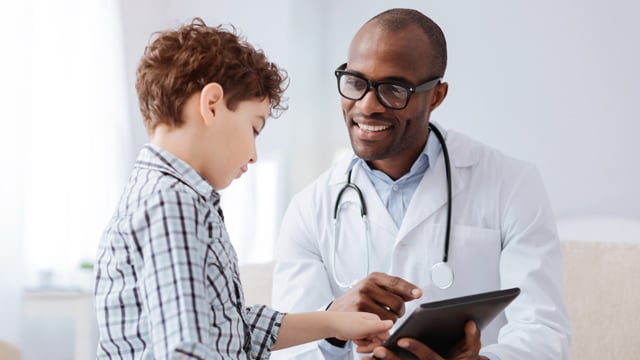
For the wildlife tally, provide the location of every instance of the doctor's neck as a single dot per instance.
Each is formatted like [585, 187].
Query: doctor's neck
[400, 163]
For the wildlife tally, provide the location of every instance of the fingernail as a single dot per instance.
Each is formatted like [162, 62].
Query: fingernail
[379, 355]
[415, 292]
[475, 328]
[403, 344]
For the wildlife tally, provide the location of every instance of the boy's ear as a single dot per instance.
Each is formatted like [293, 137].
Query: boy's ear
[210, 101]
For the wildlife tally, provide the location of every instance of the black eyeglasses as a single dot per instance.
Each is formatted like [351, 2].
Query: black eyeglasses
[392, 95]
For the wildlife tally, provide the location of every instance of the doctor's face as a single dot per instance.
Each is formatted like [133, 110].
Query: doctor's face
[385, 137]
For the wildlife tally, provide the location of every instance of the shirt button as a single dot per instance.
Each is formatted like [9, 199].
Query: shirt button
[395, 187]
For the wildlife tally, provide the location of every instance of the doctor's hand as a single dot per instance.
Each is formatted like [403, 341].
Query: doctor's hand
[380, 294]
[467, 349]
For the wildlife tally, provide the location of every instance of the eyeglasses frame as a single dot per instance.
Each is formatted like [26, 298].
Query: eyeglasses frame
[426, 86]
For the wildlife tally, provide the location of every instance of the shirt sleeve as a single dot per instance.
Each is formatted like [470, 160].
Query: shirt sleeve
[537, 321]
[265, 326]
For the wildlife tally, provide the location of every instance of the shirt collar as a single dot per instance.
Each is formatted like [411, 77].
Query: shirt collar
[153, 157]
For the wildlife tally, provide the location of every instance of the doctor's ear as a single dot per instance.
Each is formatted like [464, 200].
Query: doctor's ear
[439, 93]
[211, 98]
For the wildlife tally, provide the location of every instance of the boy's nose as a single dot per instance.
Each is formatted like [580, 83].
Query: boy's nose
[254, 157]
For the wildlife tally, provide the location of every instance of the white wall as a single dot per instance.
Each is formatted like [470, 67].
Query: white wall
[554, 83]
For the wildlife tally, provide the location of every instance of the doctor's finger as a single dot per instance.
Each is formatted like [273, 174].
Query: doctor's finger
[472, 337]
[387, 306]
[469, 347]
[380, 300]
[397, 285]
[367, 296]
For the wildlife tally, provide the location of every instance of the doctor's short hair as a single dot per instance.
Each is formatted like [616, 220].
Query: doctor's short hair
[179, 63]
[399, 19]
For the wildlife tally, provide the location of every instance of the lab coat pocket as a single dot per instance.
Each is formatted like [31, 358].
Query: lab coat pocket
[474, 255]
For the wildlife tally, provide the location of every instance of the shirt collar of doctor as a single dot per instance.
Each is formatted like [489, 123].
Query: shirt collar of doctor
[430, 151]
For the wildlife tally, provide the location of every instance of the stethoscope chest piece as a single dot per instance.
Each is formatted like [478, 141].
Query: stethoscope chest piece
[442, 275]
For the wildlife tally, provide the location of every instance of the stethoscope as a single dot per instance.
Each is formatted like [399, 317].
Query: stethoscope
[441, 272]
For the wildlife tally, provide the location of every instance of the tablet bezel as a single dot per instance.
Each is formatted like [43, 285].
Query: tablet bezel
[440, 324]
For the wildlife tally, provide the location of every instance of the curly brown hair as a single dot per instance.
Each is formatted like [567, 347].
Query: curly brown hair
[179, 63]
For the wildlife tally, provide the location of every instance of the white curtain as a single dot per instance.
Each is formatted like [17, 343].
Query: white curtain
[12, 100]
[75, 129]
[63, 143]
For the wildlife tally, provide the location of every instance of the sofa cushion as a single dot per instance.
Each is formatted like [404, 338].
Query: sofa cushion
[602, 291]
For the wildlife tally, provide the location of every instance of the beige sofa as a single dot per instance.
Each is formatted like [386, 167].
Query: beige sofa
[8, 351]
[602, 292]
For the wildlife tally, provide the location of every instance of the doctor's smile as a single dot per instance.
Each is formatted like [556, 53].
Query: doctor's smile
[372, 128]
[370, 131]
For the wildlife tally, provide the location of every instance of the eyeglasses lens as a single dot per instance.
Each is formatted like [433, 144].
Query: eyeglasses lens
[390, 95]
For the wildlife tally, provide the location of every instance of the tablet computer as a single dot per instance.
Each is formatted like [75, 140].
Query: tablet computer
[440, 324]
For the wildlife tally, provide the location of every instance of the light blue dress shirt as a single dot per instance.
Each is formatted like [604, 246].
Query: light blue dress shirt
[396, 194]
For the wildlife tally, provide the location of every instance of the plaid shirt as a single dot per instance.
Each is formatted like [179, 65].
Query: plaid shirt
[167, 281]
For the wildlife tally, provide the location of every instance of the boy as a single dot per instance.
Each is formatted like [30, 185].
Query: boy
[167, 281]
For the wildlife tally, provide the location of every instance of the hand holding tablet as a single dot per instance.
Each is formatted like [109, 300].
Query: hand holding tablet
[440, 324]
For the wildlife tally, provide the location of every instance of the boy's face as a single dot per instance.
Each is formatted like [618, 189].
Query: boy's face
[233, 141]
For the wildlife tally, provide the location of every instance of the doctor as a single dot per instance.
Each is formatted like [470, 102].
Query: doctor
[402, 252]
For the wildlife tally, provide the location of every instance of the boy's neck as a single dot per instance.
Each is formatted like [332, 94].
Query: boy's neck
[179, 142]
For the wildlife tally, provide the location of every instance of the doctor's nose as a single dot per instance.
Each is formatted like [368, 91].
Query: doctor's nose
[370, 104]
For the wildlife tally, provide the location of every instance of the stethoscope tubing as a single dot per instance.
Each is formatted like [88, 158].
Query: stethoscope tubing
[447, 163]
[441, 266]
[350, 185]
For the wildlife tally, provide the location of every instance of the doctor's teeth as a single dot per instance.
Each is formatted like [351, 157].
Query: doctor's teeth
[372, 127]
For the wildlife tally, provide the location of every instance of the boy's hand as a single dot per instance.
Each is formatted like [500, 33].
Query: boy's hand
[468, 348]
[365, 329]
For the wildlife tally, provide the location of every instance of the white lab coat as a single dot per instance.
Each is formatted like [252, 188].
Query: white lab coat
[503, 235]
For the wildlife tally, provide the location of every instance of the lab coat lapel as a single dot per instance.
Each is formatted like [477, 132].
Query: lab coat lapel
[431, 194]
[378, 213]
